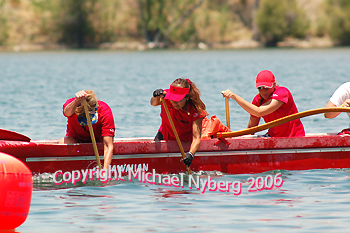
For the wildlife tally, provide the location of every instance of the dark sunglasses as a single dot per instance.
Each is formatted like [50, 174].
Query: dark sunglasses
[260, 88]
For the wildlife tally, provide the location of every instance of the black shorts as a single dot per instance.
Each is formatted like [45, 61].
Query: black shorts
[158, 137]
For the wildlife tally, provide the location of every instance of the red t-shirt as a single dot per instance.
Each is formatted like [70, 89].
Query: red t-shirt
[183, 121]
[290, 129]
[103, 127]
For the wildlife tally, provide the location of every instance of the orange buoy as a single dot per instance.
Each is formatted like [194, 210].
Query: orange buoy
[16, 186]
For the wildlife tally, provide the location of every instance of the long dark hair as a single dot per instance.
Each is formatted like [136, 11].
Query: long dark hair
[194, 95]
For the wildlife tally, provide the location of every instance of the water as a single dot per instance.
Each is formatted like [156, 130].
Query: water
[34, 87]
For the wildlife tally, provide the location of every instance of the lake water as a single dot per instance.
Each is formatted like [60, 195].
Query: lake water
[35, 85]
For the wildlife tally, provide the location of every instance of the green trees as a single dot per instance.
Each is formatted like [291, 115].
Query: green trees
[68, 21]
[159, 19]
[3, 25]
[167, 23]
[338, 12]
[278, 19]
[74, 23]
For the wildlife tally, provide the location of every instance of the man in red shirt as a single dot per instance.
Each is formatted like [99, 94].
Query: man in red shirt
[272, 102]
[101, 118]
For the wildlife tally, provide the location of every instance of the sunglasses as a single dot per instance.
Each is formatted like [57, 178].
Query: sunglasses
[261, 88]
[92, 112]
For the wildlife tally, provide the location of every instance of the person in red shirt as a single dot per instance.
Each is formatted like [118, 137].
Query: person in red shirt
[101, 118]
[187, 112]
[272, 102]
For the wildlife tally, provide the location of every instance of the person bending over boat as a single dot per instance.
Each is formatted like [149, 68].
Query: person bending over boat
[187, 112]
[101, 118]
[272, 103]
[340, 98]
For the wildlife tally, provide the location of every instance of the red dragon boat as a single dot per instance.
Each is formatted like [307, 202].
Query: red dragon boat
[245, 154]
[237, 155]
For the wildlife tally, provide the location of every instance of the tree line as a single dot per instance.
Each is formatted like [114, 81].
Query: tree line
[167, 23]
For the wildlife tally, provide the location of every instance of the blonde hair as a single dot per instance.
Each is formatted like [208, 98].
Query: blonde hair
[193, 96]
[91, 101]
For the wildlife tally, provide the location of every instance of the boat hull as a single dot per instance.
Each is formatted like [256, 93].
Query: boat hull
[234, 156]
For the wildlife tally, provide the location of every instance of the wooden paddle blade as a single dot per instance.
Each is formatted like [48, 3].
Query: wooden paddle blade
[13, 136]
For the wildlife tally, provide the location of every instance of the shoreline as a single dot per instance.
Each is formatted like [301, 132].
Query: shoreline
[309, 43]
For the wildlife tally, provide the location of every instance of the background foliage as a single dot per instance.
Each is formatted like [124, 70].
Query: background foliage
[171, 23]
[339, 24]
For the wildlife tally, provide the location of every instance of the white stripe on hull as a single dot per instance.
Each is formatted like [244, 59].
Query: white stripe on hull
[215, 153]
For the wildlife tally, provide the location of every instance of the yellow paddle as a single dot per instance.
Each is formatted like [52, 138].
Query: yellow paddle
[279, 122]
[175, 133]
[92, 134]
[227, 107]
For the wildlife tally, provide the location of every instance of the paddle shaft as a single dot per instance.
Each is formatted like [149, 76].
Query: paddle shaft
[227, 107]
[175, 133]
[92, 134]
[280, 121]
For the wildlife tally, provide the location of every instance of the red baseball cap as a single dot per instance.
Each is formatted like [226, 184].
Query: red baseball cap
[176, 93]
[265, 78]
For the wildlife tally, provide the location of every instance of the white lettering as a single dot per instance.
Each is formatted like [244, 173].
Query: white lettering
[190, 180]
[69, 179]
[76, 178]
[55, 177]
[85, 176]
[135, 175]
[204, 185]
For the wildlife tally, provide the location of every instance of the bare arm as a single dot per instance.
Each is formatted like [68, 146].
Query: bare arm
[69, 110]
[331, 114]
[108, 151]
[253, 121]
[196, 138]
[265, 109]
[335, 114]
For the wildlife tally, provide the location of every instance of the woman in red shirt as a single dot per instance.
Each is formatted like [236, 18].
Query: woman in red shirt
[187, 112]
[272, 102]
